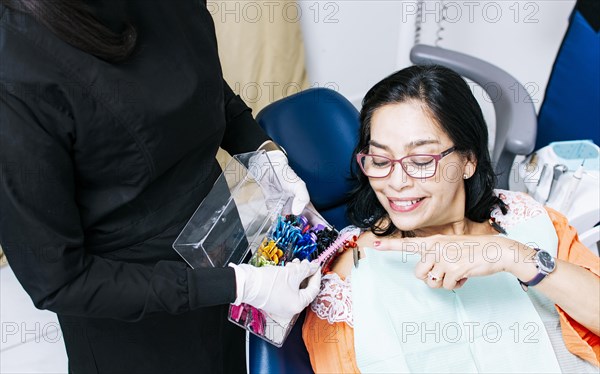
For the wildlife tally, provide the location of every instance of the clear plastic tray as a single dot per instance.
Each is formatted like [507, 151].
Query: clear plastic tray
[239, 212]
[235, 215]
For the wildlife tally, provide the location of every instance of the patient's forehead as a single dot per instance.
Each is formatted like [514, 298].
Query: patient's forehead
[404, 126]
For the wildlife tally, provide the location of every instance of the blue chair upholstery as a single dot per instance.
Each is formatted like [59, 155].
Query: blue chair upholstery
[292, 357]
[570, 110]
[318, 128]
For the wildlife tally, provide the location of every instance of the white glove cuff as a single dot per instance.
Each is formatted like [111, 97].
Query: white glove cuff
[277, 156]
[240, 280]
[270, 145]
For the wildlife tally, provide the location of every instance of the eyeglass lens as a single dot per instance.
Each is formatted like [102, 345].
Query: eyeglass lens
[415, 166]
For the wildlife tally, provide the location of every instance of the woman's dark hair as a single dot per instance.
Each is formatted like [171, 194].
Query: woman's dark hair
[448, 100]
[74, 22]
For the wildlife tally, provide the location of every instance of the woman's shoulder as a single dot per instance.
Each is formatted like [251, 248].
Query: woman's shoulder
[345, 261]
[39, 59]
[520, 208]
[334, 301]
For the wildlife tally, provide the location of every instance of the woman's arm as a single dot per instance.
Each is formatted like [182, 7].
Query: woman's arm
[242, 132]
[330, 346]
[575, 289]
[43, 236]
[327, 331]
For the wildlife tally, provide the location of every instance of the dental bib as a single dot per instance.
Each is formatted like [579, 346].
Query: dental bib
[488, 326]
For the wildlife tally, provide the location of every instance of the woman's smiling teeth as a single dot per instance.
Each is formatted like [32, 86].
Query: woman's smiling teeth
[405, 203]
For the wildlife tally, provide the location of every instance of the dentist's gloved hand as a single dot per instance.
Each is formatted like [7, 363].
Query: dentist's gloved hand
[277, 289]
[290, 182]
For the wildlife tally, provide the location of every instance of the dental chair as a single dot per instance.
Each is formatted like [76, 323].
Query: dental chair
[319, 130]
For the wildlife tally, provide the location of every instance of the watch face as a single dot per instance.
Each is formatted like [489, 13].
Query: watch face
[546, 261]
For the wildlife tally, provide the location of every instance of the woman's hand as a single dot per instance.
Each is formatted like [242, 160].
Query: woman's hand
[449, 260]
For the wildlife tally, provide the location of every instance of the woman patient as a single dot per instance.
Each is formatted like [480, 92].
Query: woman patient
[449, 275]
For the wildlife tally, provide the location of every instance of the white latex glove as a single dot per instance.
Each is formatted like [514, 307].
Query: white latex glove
[277, 289]
[289, 180]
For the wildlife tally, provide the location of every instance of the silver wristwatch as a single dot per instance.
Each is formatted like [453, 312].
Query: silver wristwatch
[545, 264]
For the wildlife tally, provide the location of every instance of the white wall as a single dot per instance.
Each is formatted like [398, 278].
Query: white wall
[352, 44]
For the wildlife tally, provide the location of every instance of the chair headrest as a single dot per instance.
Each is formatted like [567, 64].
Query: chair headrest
[318, 129]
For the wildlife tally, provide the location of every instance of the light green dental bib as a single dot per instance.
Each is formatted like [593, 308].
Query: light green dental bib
[487, 326]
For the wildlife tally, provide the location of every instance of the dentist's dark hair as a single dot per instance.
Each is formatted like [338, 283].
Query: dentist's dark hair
[447, 99]
[73, 22]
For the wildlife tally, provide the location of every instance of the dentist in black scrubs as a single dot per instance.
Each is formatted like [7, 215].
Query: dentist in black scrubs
[111, 114]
